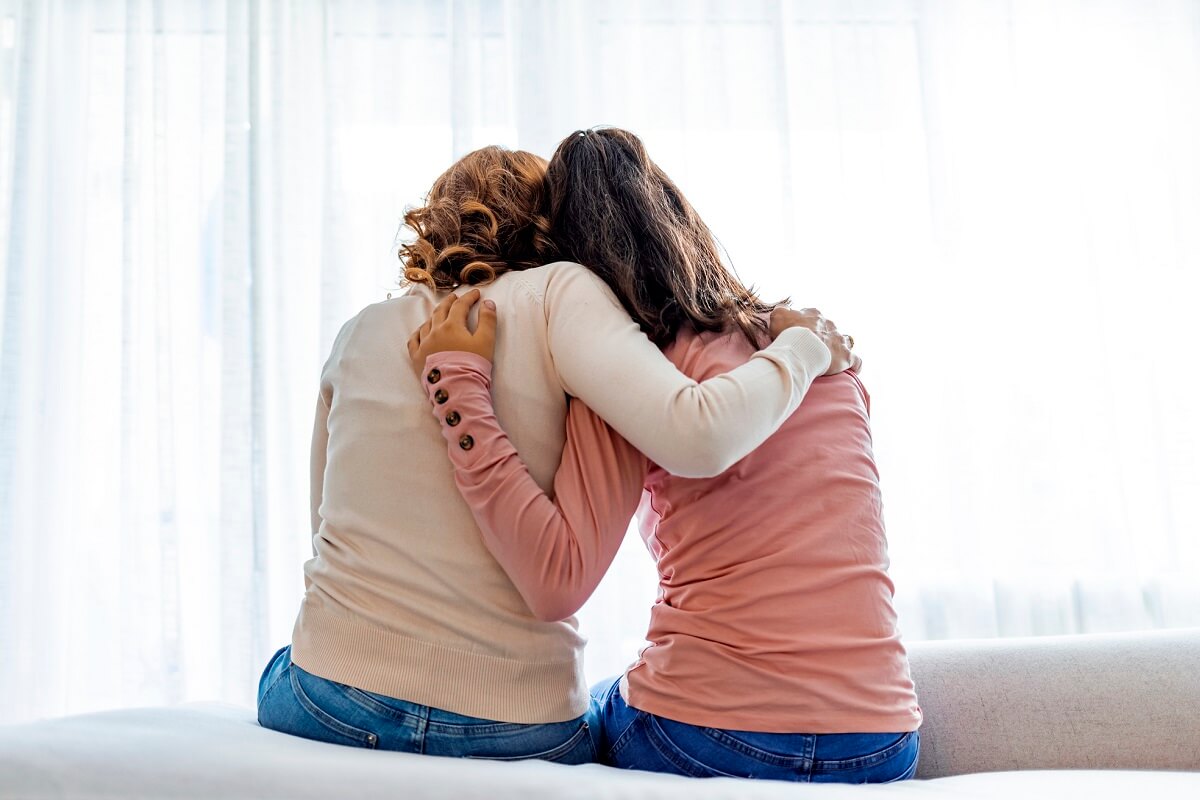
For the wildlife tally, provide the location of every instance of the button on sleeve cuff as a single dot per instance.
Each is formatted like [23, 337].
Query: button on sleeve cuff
[458, 386]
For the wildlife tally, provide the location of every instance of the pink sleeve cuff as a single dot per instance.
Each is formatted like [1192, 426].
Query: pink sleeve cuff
[457, 359]
[458, 386]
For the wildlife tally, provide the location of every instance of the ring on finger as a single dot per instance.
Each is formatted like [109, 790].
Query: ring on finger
[850, 339]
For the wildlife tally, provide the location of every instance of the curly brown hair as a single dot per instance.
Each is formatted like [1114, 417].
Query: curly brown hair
[486, 215]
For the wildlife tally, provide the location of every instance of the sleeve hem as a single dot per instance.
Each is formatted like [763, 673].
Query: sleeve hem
[470, 362]
[802, 345]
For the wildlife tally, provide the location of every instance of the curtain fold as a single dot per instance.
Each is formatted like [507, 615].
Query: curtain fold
[999, 199]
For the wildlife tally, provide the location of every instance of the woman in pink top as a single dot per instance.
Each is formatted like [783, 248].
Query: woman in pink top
[774, 650]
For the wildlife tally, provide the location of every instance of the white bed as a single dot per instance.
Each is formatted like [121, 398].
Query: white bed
[1037, 706]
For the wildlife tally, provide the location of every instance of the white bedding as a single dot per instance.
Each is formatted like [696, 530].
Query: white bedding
[221, 752]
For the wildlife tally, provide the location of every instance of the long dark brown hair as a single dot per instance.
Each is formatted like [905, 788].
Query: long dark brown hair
[486, 215]
[615, 211]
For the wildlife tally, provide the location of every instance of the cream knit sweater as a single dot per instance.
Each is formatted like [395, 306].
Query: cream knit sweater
[403, 598]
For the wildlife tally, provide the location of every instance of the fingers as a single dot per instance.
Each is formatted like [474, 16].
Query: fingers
[841, 346]
[783, 318]
[840, 355]
[462, 308]
[414, 343]
[487, 320]
[442, 309]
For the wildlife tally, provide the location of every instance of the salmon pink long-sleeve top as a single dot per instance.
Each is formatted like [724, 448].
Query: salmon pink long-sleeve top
[775, 607]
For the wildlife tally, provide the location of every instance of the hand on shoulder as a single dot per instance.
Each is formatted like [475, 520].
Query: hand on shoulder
[839, 344]
[448, 330]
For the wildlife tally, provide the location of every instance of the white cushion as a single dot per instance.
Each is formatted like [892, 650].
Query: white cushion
[1083, 702]
[221, 752]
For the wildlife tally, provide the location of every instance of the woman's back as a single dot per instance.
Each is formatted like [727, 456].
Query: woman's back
[403, 598]
[775, 609]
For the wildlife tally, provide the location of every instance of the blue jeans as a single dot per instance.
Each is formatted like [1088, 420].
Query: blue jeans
[634, 739]
[293, 701]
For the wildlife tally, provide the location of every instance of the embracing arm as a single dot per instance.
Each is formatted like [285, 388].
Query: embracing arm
[692, 429]
[555, 551]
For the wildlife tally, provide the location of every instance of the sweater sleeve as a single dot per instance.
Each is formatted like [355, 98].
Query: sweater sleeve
[554, 551]
[317, 458]
[691, 429]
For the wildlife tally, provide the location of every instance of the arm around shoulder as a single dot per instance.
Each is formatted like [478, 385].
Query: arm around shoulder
[693, 429]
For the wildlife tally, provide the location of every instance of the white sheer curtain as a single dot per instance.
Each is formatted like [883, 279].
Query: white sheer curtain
[1000, 199]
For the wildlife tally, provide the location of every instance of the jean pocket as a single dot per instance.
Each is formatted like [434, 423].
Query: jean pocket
[530, 743]
[331, 729]
[274, 672]
[897, 761]
[913, 757]
[689, 758]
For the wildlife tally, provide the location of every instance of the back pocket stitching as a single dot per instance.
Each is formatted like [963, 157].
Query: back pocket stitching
[365, 738]
[672, 752]
[869, 760]
[547, 755]
[736, 745]
[372, 706]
